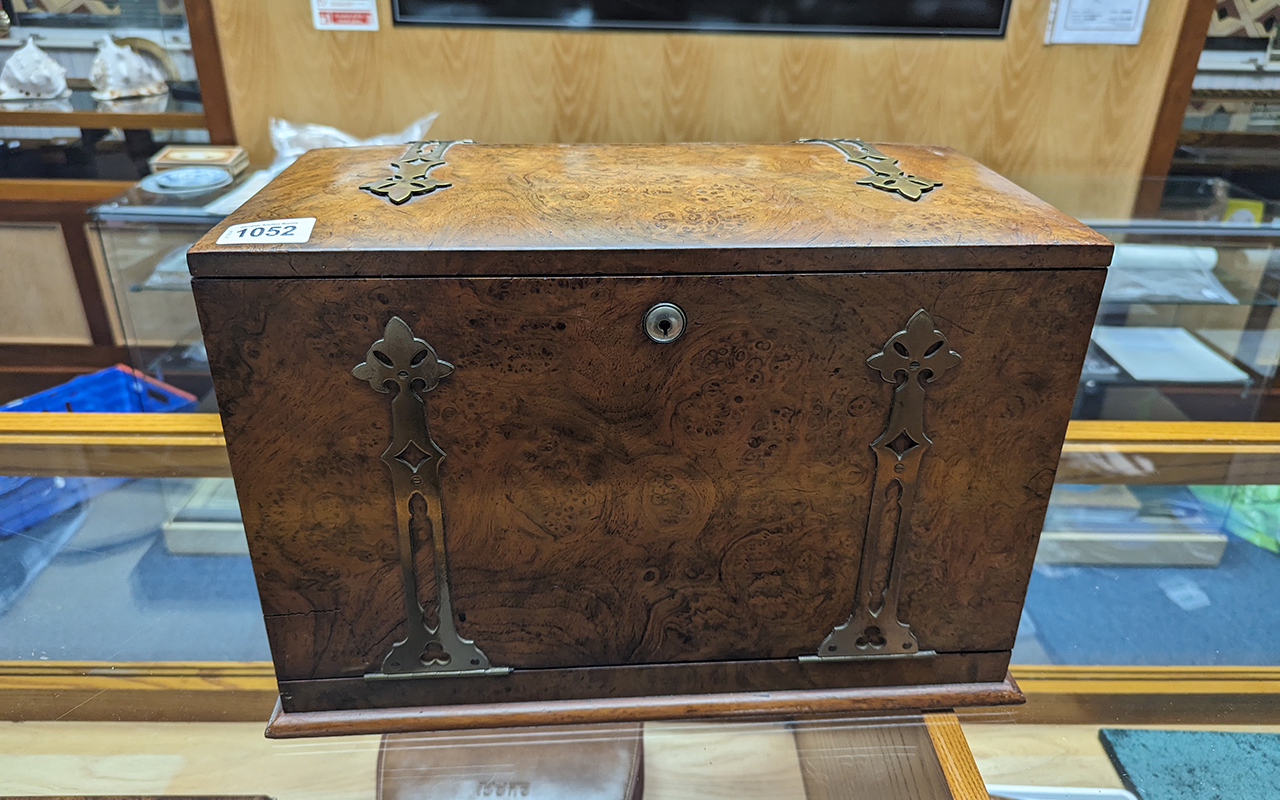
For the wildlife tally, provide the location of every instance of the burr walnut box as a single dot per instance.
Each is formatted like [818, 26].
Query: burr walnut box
[562, 433]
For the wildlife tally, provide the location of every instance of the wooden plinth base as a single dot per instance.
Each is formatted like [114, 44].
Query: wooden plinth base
[287, 725]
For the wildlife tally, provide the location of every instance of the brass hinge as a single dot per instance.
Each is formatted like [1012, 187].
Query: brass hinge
[408, 364]
[409, 176]
[886, 175]
[911, 358]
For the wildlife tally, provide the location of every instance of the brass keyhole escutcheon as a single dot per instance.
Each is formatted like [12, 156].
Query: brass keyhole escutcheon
[664, 322]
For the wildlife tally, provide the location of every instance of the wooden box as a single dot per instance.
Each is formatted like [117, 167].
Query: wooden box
[562, 433]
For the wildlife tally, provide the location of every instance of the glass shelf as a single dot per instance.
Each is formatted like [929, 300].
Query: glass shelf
[81, 110]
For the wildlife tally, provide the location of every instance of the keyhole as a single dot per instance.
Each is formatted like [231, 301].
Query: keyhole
[664, 322]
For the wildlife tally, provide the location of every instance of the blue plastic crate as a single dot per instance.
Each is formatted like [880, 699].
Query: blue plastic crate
[114, 389]
[26, 501]
[37, 499]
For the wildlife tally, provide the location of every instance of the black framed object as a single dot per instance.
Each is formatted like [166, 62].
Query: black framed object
[929, 17]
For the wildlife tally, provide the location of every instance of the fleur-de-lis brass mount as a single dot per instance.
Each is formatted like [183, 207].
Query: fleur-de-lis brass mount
[885, 172]
[912, 357]
[409, 176]
[407, 366]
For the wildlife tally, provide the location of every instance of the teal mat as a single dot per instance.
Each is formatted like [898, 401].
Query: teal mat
[1195, 765]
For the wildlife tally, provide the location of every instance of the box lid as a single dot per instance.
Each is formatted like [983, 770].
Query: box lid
[809, 206]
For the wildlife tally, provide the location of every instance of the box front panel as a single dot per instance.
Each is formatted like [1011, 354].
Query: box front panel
[607, 499]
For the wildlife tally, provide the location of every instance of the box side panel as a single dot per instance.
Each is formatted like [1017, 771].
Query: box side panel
[610, 500]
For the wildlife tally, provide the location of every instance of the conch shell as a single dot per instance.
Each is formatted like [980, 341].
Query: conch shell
[30, 74]
[118, 72]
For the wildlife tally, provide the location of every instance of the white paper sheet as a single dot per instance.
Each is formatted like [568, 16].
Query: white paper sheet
[1166, 355]
[234, 199]
[1259, 349]
[1164, 273]
[1095, 21]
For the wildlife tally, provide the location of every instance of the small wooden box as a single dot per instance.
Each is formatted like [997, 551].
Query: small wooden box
[561, 433]
[174, 156]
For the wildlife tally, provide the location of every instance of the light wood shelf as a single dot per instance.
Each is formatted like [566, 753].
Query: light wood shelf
[1161, 453]
[59, 190]
[124, 445]
[1127, 432]
[246, 691]
[192, 445]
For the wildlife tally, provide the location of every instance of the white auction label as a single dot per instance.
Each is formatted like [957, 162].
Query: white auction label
[269, 231]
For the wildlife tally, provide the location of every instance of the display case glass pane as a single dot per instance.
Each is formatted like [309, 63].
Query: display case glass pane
[1156, 552]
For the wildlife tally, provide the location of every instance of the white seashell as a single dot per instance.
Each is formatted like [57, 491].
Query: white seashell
[118, 72]
[30, 74]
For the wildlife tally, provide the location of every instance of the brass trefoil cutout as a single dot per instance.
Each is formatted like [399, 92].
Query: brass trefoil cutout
[409, 176]
[885, 172]
[912, 358]
[407, 367]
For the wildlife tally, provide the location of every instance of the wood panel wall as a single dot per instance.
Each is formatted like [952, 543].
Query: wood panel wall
[1070, 122]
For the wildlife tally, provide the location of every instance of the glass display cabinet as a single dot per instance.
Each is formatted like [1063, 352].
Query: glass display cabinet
[144, 237]
[63, 154]
[150, 526]
[1165, 510]
[133, 657]
[83, 137]
[1150, 601]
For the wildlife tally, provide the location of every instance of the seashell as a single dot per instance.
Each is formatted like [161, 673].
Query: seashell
[119, 71]
[30, 74]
